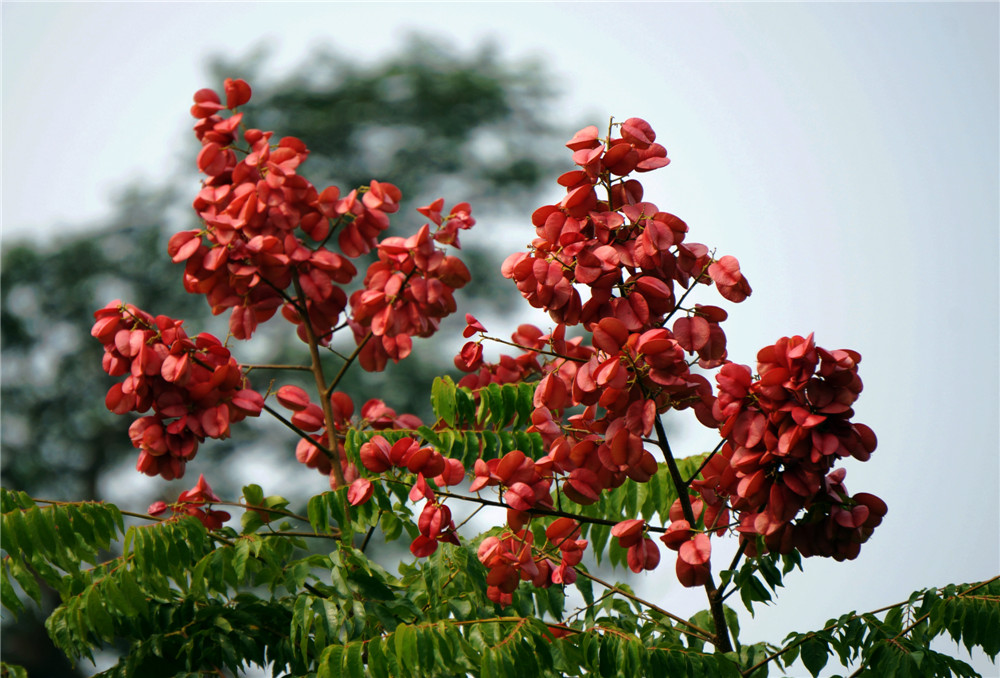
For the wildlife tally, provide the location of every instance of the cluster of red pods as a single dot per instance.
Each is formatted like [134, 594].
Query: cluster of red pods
[604, 261]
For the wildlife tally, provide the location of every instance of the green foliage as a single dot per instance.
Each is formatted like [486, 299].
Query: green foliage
[896, 641]
[178, 593]
[12, 671]
[760, 577]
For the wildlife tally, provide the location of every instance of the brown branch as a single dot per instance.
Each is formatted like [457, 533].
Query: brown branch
[317, 370]
[694, 630]
[538, 511]
[704, 463]
[721, 641]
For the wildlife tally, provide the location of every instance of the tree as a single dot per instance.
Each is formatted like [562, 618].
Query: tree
[559, 437]
[57, 440]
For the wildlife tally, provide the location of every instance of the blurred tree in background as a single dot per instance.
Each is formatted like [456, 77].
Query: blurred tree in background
[435, 123]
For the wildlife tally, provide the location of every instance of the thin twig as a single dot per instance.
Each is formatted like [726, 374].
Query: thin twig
[302, 434]
[535, 350]
[253, 366]
[694, 630]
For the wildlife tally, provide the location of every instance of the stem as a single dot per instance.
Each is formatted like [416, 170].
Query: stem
[317, 370]
[694, 630]
[687, 483]
[328, 390]
[677, 306]
[334, 534]
[304, 368]
[251, 507]
[732, 566]
[721, 641]
[299, 432]
[540, 511]
[368, 536]
[131, 514]
[536, 350]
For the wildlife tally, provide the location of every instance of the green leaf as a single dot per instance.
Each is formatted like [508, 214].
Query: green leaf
[429, 436]
[353, 666]
[330, 662]
[443, 399]
[250, 522]
[12, 670]
[42, 530]
[98, 615]
[319, 517]
[466, 415]
[814, 655]
[8, 597]
[240, 558]
[26, 579]
[253, 494]
[405, 640]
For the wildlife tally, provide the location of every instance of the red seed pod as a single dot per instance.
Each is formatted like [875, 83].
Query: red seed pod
[237, 93]
[643, 555]
[629, 532]
[453, 473]
[293, 397]
[375, 455]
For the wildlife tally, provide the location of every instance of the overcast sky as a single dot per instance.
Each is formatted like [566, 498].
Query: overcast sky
[846, 154]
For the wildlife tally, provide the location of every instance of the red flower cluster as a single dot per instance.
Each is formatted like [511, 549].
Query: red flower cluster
[784, 432]
[190, 502]
[435, 523]
[407, 292]
[257, 211]
[310, 418]
[513, 557]
[627, 252]
[194, 386]
[249, 253]
[626, 256]
[642, 551]
[613, 265]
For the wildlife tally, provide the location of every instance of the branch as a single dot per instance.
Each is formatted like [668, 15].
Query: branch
[732, 566]
[288, 533]
[687, 483]
[839, 622]
[251, 507]
[535, 511]
[247, 368]
[299, 432]
[328, 390]
[317, 370]
[132, 514]
[535, 350]
[721, 641]
[694, 630]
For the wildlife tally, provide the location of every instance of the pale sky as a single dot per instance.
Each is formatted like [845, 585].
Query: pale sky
[846, 154]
